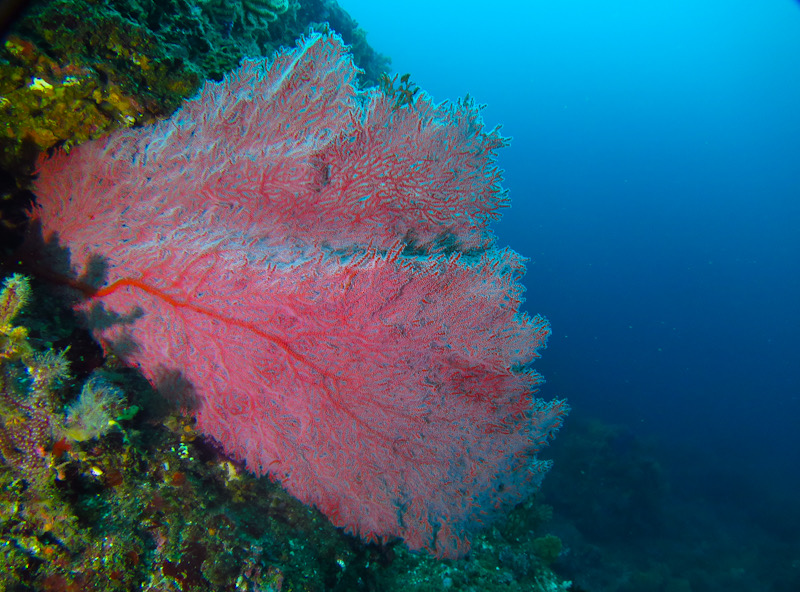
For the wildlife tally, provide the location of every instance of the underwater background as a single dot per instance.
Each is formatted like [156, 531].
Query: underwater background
[655, 185]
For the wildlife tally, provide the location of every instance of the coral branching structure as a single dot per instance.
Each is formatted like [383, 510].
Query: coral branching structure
[310, 265]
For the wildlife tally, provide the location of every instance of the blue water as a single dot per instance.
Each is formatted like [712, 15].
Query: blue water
[655, 180]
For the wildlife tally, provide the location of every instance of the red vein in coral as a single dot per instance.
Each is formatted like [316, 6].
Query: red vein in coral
[180, 303]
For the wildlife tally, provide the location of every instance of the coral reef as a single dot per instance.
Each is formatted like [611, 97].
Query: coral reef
[151, 506]
[133, 509]
[72, 70]
[29, 382]
[29, 421]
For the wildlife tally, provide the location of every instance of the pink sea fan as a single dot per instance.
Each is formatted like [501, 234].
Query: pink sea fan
[315, 264]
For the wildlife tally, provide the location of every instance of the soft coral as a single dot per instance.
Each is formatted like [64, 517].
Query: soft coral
[316, 266]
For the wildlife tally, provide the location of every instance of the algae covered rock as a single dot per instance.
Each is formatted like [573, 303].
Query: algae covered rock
[73, 70]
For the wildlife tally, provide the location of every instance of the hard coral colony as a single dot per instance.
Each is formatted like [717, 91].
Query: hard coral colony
[310, 266]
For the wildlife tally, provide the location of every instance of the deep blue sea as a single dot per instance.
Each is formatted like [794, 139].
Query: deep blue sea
[655, 182]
